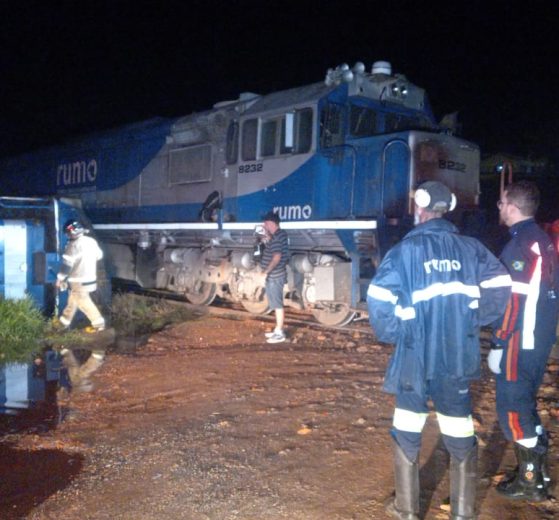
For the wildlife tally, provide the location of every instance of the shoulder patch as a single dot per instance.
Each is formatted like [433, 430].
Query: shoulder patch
[518, 265]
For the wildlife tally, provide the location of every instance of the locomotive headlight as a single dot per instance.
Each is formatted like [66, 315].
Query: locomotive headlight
[399, 90]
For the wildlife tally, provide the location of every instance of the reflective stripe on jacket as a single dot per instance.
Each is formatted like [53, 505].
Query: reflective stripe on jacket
[532, 310]
[79, 261]
[431, 294]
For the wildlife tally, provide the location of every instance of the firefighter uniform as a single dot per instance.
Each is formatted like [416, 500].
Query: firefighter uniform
[79, 271]
[526, 335]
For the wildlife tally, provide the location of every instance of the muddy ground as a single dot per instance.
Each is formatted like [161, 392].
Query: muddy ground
[209, 422]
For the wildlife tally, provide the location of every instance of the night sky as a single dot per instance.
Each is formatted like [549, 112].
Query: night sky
[71, 67]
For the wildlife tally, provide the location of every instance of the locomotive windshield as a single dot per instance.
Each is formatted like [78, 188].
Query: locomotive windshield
[362, 121]
[400, 122]
[332, 125]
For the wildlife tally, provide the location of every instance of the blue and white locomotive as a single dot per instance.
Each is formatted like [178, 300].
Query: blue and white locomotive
[176, 202]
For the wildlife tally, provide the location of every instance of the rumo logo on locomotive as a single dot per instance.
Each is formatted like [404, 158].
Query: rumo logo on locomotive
[293, 212]
[175, 202]
[76, 173]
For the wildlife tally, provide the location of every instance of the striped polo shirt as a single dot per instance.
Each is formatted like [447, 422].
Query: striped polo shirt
[277, 244]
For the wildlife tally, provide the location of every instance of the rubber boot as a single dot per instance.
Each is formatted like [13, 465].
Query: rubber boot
[542, 447]
[463, 486]
[528, 483]
[405, 506]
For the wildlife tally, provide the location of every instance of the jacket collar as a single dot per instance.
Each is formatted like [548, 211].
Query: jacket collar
[515, 228]
[435, 225]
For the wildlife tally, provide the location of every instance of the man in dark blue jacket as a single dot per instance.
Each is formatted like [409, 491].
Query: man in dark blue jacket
[431, 294]
[524, 339]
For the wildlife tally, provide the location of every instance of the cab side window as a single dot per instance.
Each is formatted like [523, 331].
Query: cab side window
[296, 131]
[249, 141]
[303, 133]
[232, 145]
[268, 138]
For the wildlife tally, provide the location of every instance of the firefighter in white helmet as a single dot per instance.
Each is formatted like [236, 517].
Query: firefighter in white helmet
[78, 273]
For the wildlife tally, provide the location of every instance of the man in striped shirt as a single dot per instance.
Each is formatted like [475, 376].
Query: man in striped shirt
[274, 262]
[524, 338]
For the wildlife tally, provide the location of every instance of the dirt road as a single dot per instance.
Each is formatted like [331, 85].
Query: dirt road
[208, 422]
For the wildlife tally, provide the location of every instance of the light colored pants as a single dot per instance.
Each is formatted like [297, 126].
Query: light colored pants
[80, 299]
[79, 375]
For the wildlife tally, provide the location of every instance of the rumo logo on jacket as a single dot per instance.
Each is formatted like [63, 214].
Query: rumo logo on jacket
[442, 266]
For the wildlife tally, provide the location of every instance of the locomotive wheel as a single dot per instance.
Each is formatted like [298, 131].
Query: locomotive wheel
[335, 316]
[203, 295]
[259, 307]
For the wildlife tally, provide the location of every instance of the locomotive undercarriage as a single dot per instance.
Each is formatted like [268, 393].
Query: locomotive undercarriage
[314, 281]
[224, 266]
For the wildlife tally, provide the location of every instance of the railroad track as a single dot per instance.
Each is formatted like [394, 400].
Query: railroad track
[231, 310]
[293, 317]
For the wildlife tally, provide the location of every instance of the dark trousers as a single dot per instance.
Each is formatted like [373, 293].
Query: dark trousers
[452, 401]
[518, 383]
